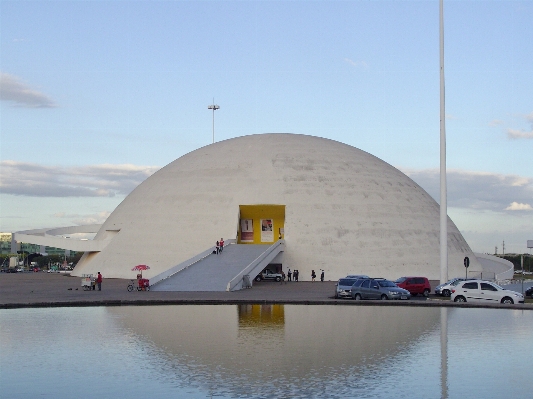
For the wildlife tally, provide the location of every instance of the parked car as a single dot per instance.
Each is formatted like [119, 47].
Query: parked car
[415, 285]
[482, 291]
[268, 274]
[529, 292]
[343, 286]
[369, 288]
[446, 288]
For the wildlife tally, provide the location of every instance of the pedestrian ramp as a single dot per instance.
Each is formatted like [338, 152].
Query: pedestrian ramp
[231, 270]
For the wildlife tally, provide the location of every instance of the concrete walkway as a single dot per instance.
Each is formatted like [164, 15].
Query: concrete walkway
[214, 272]
[55, 290]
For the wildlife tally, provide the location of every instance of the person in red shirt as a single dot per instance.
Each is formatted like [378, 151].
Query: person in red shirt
[99, 279]
[221, 243]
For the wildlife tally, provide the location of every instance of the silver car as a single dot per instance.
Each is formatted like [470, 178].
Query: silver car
[357, 276]
[484, 292]
[369, 288]
[342, 288]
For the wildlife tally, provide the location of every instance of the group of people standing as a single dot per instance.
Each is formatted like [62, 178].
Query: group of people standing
[313, 275]
[219, 246]
[292, 276]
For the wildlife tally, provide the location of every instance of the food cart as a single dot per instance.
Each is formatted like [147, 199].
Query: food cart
[88, 282]
[143, 284]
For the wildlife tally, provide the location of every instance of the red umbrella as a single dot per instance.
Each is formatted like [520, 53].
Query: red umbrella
[140, 268]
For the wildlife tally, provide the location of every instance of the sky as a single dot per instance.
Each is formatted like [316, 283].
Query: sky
[96, 96]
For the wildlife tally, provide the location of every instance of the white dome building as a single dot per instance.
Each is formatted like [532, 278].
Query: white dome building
[336, 207]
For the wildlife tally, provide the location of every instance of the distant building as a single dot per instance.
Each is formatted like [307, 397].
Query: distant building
[7, 246]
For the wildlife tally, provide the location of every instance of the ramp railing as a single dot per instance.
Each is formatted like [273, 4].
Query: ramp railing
[269, 254]
[186, 264]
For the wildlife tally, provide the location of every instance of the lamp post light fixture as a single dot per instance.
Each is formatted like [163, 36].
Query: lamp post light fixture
[214, 107]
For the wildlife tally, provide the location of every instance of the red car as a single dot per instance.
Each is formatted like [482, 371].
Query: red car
[415, 285]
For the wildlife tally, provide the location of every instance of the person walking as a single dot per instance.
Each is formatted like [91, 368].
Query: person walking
[282, 277]
[322, 275]
[217, 248]
[313, 275]
[221, 244]
[289, 275]
[99, 279]
[295, 274]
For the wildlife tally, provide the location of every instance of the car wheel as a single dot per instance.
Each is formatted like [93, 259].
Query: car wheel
[426, 293]
[278, 279]
[357, 297]
[446, 293]
[258, 278]
[384, 297]
[507, 300]
[459, 298]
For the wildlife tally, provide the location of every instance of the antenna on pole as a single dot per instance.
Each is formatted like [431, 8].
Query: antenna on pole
[214, 107]
[443, 190]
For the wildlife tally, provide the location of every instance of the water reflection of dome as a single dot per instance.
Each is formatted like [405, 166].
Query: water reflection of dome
[315, 344]
[344, 211]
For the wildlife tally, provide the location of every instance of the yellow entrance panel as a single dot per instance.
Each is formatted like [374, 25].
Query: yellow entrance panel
[261, 224]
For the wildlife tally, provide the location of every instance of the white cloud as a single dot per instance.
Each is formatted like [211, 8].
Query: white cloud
[357, 64]
[521, 133]
[14, 90]
[496, 122]
[476, 190]
[34, 180]
[515, 206]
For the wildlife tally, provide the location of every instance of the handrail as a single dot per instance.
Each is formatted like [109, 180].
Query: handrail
[186, 264]
[235, 280]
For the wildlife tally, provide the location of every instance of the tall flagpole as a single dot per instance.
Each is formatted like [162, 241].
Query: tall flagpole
[443, 190]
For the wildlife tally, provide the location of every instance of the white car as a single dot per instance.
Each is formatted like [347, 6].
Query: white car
[446, 288]
[482, 291]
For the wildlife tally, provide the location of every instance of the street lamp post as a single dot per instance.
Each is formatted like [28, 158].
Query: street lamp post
[214, 107]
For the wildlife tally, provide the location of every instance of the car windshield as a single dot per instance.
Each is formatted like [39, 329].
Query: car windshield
[401, 280]
[346, 282]
[386, 283]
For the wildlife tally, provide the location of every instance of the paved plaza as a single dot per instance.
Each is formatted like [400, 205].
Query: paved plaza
[54, 290]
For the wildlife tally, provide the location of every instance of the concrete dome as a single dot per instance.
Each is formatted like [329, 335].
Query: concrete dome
[344, 211]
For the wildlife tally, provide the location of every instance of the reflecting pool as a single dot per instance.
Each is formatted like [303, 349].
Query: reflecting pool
[266, 351]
